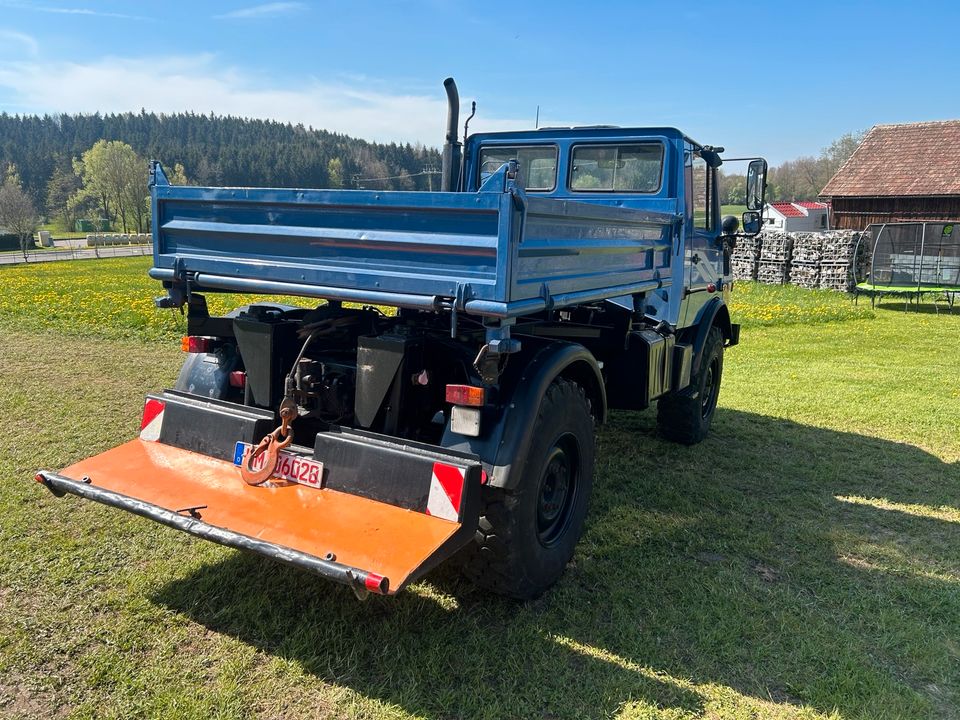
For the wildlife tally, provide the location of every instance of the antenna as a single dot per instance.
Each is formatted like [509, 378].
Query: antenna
[536, 125]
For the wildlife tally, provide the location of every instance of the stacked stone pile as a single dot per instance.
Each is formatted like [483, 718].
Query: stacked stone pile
[805, 260]
[774, 265]
[745, 258]
[844, 260]
[831, 260]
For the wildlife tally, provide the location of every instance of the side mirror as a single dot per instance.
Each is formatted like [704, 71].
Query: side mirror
[752, 223]
[756, 186]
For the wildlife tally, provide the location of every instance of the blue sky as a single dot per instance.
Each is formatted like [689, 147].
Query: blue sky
[781, 80]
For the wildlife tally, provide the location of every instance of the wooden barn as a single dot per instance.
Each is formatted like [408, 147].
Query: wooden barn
[900, 173]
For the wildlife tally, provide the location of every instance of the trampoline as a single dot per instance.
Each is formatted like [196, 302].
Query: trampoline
[910, 260]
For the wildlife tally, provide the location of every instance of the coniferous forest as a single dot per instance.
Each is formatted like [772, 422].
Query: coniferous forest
[214, 151]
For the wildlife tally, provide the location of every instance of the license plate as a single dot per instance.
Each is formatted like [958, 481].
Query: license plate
[290, 466]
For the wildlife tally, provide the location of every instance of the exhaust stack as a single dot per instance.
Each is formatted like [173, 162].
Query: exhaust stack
[451, 147]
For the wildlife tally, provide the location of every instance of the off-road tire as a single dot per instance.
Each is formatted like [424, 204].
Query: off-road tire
[685, 416]
[527, 535]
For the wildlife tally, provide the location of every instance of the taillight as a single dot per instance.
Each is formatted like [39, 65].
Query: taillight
[466, 395]
[196, 344]
[238, 379]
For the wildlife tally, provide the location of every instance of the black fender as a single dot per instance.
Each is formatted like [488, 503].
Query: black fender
[714, 313]
[507, 435]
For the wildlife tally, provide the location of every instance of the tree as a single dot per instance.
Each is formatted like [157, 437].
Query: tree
[732, 189]
[116, 177]
[62, 184]
[842, 148]
[179, 175]
[805, 177]
[17, 213]
[335, 173]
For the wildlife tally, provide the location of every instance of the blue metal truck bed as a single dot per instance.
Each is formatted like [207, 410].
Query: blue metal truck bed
[498, 252]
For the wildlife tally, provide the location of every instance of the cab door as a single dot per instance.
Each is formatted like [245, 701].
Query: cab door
[704, 250]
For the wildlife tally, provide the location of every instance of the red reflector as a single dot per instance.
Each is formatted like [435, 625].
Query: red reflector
[375, 583]
[151, 408]
[483, 477]
[196, 344]
[238, 379]
[711, 288]
[466, 395]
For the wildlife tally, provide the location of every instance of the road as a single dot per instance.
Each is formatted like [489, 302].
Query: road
[74, 253]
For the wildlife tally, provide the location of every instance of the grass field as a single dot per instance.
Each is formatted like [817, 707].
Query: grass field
[802, 562]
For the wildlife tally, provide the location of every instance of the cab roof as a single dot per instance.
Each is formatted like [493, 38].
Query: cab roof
[582, 131]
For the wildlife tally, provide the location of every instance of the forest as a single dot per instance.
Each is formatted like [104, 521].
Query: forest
[213, 150]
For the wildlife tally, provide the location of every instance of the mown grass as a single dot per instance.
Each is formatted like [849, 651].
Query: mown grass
[802, 562]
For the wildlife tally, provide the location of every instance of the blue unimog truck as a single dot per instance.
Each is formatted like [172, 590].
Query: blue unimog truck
[441, 399]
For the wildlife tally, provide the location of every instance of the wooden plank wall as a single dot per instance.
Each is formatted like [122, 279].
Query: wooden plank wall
[855, 213]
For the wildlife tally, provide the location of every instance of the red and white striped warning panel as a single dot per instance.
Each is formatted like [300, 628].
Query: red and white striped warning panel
[446, 491]
[152, 420]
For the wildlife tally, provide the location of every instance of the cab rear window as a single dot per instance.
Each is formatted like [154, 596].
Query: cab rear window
[633, 168]
[538, 164]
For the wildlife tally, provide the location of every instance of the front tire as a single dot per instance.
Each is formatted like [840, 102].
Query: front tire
[685, 416]
[527, 535]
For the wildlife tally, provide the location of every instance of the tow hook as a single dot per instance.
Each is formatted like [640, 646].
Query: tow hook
[269, 448]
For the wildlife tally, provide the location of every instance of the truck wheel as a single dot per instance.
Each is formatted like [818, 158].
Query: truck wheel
[527, 535]
[685, 416]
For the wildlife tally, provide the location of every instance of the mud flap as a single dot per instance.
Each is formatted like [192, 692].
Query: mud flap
[368, 544]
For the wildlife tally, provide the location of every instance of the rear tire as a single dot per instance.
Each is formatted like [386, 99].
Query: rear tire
[527, 535]
[685, 416]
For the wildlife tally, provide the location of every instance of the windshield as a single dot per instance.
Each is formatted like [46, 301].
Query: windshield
[538, 164]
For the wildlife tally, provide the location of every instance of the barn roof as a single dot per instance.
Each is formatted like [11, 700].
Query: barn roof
[907, 159]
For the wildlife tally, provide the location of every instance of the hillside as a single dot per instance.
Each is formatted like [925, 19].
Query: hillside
[214, 150]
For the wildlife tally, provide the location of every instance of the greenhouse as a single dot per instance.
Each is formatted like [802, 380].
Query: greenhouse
[910, 260]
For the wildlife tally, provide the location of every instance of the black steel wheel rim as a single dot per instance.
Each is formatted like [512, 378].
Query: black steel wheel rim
[710, 387]
[558, 489]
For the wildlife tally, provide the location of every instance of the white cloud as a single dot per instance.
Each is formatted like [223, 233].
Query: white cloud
[72, 11]
[265, 10]
[201, 84]
[12, 36]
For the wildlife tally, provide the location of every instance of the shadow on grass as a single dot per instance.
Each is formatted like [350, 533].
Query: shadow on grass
[926, 306]
[735, 572]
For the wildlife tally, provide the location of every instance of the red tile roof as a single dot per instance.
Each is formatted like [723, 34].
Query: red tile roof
[809, 205]
[787, 209]
[895, 160]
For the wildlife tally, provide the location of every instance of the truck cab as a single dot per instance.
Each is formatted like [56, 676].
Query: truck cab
[657, 170]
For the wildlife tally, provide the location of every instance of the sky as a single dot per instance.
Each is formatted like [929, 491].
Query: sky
[780, 80]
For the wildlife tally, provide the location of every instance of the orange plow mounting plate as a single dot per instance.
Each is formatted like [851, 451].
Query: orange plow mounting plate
[344, 537]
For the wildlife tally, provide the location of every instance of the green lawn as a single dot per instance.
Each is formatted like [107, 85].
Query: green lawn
[736, 210]
[802, 562]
